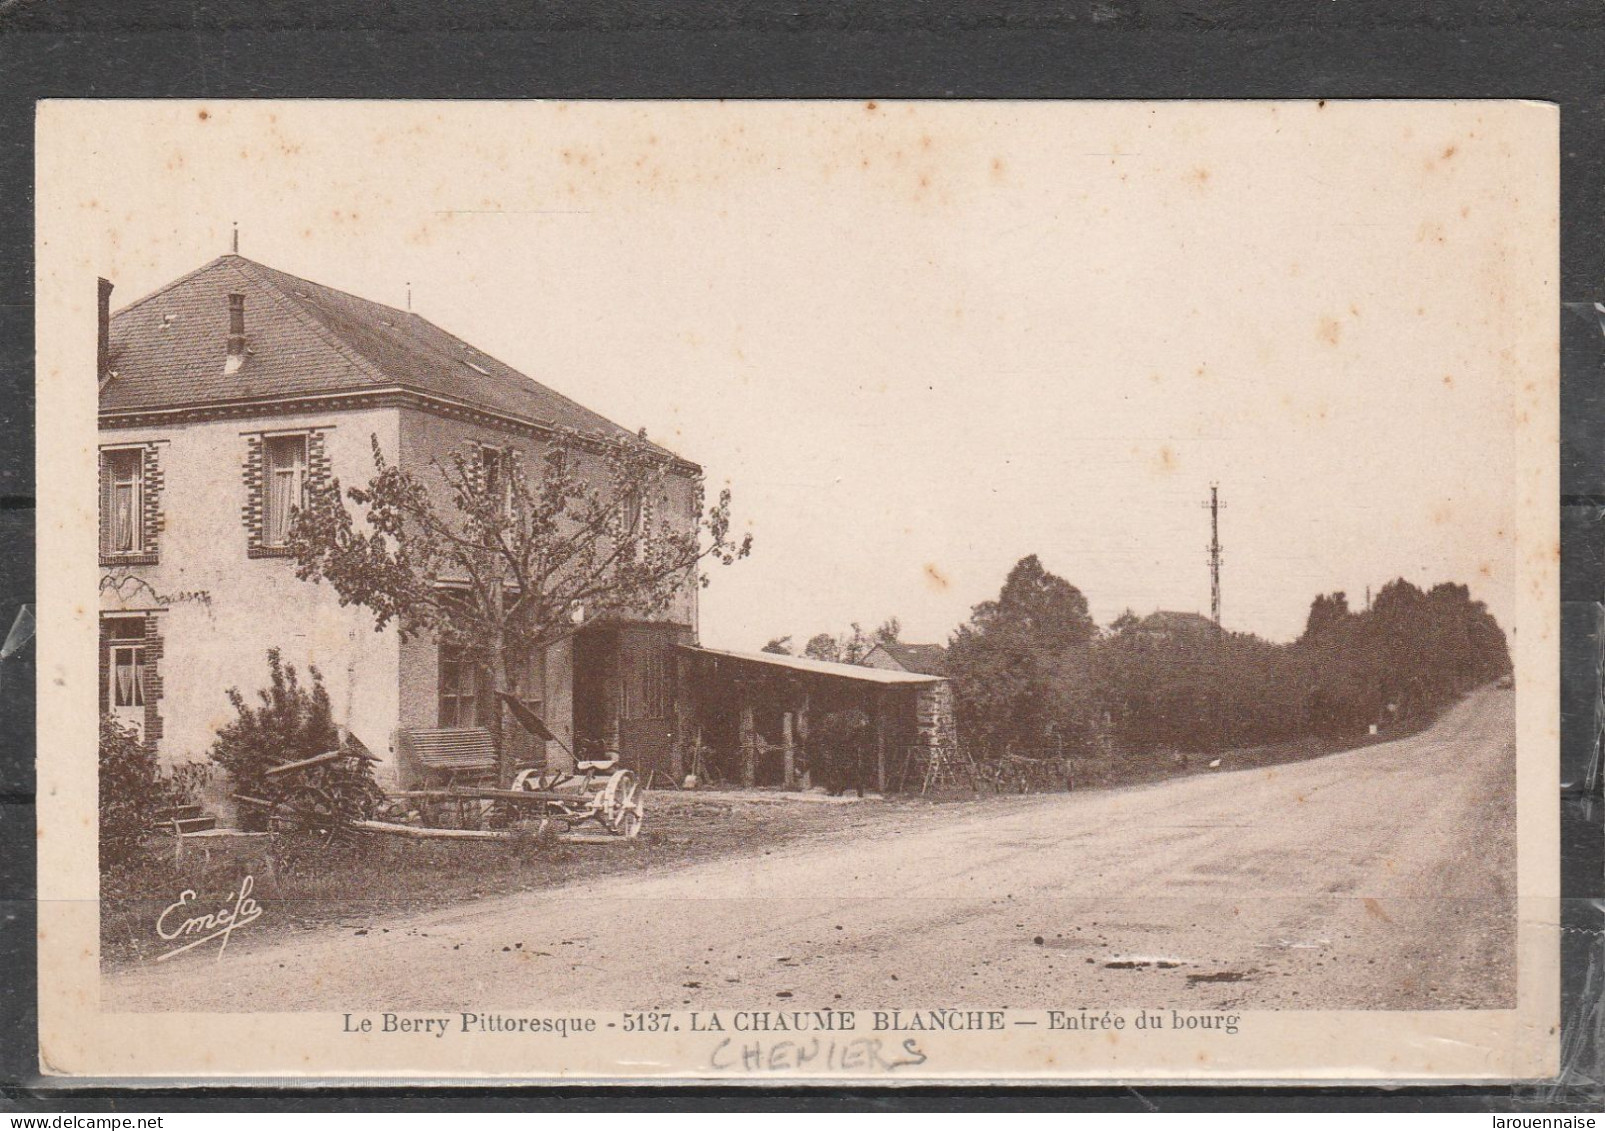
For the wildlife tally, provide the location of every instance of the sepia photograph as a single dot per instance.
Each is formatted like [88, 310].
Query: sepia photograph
[807, 590]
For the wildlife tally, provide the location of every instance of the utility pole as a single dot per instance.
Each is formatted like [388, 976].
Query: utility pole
[1214, 506]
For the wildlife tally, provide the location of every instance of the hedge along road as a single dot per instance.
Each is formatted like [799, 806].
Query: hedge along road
[1382, 878]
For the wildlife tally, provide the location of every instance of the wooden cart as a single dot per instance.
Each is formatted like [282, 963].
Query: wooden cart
[541, 802]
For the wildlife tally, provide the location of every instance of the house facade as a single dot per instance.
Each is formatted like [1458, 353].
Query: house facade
[222, 397]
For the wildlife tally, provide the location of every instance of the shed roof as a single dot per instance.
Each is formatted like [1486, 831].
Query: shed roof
[816, 667]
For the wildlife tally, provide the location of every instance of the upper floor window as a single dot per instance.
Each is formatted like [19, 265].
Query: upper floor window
[495, 465]
[279, 469]
[632, 512]
[127, 474]
[129, 486]
[285, 473]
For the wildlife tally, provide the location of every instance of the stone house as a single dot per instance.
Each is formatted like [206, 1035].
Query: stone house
[222, 396]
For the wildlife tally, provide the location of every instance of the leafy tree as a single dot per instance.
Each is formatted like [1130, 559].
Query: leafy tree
[823, 646]
[848, 648]
[1020, 667]
[890, 631]
[1125, 622]
[1028, 670]
[1328, 612]
[499, 562]
[779, 646]
[1046, 607]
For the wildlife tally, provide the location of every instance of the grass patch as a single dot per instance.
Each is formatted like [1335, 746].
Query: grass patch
[382, 877]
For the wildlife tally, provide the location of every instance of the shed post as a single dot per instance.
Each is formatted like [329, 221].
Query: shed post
[788, 751]
[880, 743]
[749, 752]
[802, 738]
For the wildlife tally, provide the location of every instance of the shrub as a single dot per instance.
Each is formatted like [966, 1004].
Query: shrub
[292, 722]
[185, 781]
[132, 792]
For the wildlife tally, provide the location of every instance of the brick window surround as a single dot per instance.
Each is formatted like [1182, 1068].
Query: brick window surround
[255, 473]
[147, 485]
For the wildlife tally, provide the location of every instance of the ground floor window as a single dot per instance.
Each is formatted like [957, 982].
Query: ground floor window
[461, 685]
[128, 665]
[128, 675]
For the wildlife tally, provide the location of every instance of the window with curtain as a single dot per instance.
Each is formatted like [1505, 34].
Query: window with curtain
[125, 503]
[128, 675]
[284, 479]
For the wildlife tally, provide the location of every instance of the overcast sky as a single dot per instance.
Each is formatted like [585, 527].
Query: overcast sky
[921, 341]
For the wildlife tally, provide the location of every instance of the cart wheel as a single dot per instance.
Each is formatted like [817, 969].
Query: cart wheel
[301, 826]
[622, 809]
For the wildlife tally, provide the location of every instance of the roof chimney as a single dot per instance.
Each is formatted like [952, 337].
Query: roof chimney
[236, 333]
[103, 319]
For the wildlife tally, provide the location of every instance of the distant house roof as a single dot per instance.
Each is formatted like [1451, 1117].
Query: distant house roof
[1172, 622]
[303, 338]
[814, 667]
[929, 659]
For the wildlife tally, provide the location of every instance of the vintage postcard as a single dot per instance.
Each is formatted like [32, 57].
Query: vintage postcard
[798, 592]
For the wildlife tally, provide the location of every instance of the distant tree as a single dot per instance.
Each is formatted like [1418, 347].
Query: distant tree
[1046, 607]
[501, 562]
[823, 646]
[1020, 667]
[1327, 612]
[849, 647]
[1125, 622]
[779, 646]
[889, 632]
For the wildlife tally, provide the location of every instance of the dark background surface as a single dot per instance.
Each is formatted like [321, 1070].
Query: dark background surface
[904, 49]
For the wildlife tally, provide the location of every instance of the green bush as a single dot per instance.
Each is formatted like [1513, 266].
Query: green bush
[132, 791]
[291, 723]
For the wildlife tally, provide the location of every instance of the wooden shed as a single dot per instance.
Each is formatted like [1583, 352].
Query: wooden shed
[751, 714]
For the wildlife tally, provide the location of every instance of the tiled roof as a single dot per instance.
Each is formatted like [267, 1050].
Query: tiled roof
[930, 659]
[168, 350]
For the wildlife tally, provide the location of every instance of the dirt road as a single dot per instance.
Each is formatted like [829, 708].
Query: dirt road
[1383, 878]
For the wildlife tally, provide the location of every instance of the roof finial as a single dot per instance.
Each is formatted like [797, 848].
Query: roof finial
[409, 297]
[234, 243]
